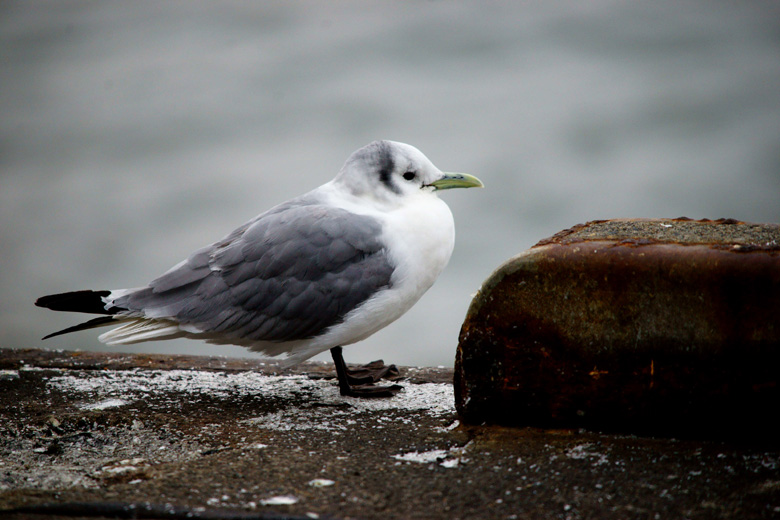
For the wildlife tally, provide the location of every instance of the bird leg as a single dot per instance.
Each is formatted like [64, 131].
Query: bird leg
[358, 382]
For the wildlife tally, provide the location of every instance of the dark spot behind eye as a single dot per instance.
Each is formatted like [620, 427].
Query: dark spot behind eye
[409, 176]
[385, 165]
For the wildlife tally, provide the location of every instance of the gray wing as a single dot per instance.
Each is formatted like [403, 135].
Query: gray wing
[287, 275]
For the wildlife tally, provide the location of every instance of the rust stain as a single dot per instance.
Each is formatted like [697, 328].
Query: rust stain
[569, 333]
[596, 373]
[723, 233]
[652, 373]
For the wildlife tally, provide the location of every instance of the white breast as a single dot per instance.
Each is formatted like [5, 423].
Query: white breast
[420, 237]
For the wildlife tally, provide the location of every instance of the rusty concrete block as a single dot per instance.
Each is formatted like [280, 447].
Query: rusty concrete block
[665, 326]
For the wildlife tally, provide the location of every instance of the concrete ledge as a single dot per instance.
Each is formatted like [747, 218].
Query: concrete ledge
[137, 436]
[665, 326]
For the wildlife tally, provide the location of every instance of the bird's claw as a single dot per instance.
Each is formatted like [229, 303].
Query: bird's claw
[371, 373]
[370, 390]
[359, 381]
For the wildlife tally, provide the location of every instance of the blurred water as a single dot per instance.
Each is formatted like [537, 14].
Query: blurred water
[135, 132]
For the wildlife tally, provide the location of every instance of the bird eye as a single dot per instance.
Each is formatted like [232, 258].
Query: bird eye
[409, 176]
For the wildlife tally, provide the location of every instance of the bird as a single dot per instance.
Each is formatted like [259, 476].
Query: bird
[318, 272]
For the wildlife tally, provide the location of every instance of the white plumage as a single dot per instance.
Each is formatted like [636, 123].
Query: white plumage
[326, 269]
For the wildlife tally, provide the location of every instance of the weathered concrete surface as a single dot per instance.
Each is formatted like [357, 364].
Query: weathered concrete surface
[212, 437]
[647, 326]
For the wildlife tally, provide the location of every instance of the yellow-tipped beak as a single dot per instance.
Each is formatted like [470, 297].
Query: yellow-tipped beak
[457, 180]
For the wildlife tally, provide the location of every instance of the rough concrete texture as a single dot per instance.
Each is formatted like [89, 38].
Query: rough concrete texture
[646, 326]
[89, 434]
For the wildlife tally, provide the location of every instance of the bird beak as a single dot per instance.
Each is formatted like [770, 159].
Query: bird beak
[457, 180]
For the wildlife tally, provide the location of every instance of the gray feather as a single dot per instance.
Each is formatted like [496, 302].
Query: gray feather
[289, 274]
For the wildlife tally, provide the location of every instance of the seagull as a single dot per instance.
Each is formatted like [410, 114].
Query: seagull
[323, 270]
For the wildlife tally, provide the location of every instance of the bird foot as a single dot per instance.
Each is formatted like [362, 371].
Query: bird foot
[370, 390]
[359, 381]
[371, 373]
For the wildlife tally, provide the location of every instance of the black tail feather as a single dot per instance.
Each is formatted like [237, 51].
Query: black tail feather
[90, 302]
[91, 324]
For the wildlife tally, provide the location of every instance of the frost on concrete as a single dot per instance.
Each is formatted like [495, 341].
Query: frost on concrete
[321, 482]
[424, 457]
[587, 451]
[104, 404]
[282, 500]
[446, 458]
[334, 413]
[9, 375]
[50, 456]
[33, 458]
[129, 385]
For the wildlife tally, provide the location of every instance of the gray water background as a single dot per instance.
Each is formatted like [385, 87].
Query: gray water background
[132, 133]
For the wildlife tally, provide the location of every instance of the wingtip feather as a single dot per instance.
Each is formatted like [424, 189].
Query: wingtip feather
[91, 324]
[88, 301]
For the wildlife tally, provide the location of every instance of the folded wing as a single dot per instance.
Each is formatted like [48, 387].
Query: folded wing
[288, 275]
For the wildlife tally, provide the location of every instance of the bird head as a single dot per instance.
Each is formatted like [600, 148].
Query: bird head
[392, 171]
